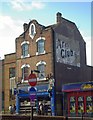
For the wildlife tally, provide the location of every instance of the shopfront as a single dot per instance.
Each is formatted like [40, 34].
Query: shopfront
[79, 99]
[23, 103]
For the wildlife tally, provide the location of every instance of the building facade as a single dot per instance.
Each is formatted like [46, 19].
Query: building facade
[58, 52]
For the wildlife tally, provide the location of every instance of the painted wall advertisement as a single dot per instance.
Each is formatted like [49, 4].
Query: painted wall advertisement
[67, 50]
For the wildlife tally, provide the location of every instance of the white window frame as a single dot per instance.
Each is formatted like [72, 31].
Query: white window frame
[40, 38]
[30, 34]
[41, 63]
[24, 65]
[25, 42]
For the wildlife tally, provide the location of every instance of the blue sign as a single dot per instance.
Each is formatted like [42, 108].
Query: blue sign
[32, 93]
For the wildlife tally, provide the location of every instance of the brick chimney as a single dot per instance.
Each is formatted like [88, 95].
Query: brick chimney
[25, 25]
[58, 18]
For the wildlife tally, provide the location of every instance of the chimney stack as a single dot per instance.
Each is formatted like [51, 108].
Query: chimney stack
[58, 17]
[25, 25]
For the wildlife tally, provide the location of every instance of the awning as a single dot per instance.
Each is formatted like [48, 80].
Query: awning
[42, 90]
[85, 86]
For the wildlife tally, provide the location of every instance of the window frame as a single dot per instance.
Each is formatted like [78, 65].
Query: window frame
[24, 49]
[39, 64]
[30, 30]
[40, 46]
[27, 66]
[14, 72]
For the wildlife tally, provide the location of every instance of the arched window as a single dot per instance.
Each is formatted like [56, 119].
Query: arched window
[32, 30]
[25, 71]
[25, 49]
[40, 45]
[41, 67]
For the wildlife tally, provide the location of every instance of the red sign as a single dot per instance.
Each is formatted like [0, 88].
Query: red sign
[32, 79]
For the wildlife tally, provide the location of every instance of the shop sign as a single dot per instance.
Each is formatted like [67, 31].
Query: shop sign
[87, 86]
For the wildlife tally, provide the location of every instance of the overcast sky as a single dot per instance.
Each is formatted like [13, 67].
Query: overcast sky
[14, 13]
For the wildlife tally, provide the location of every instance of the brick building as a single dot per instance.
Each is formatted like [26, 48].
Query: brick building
[58, 51]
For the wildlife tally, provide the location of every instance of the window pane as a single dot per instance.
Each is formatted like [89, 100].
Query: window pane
[41, 68]
[32, 30]
[80, 104]
[11, 72]
[40, 46]
[72, 105]
[89, 104]
[25, 73]
[25, 49]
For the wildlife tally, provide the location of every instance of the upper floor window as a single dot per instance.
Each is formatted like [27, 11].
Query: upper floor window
[25, 49]
[40, 46]
[25, 72]
[41, 67]
[32, 30]
[11, 72]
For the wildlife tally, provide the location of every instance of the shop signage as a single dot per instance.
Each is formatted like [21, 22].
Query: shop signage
[87, 86]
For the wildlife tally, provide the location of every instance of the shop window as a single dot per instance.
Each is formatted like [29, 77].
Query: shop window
[89, 104]
[11, 72]
[72, 105]
[80, 105]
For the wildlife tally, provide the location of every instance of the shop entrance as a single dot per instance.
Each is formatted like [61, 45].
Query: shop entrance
[25, 106]
[80, 103]
[46, 106]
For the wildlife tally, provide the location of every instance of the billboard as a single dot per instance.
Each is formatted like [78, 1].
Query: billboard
[67, 50]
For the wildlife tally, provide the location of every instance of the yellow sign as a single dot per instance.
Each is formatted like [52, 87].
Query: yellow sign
[87, 86]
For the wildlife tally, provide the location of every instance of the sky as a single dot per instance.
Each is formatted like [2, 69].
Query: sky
[14, 13]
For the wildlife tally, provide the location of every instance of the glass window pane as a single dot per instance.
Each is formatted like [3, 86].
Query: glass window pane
[89, 104]
[25, 73]
[41, 68]
[72, 105]
[11, 72]
[80, 104]
[32, 30]
[40, 46]
[25, 49]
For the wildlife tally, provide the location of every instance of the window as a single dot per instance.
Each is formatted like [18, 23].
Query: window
[25, 71]
[25, 50]
[11, 72]
[32, 31]
[72, 105]
[80, 105]
[41, 68]
[40, 45]
[89, 104]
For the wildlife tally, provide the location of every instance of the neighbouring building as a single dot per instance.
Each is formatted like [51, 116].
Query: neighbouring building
[57, 55]
[0, 85]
